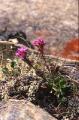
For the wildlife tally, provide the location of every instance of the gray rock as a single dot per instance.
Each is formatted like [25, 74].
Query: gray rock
[22, 110]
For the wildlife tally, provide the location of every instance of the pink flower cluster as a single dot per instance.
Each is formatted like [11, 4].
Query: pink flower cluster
[38, 42]
[21, 52]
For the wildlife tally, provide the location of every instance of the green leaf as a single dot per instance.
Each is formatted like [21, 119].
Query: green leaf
[62, 82]
[13, 64]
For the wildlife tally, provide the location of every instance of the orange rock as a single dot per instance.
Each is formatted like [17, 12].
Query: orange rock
[71, 49]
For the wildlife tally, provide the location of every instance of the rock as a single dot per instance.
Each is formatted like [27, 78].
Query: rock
[70, 71]
[22, 110]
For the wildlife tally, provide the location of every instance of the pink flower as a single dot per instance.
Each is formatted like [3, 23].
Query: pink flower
[21, 52]
[39, 42]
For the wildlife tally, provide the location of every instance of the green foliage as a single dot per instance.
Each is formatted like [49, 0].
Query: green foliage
[60, 87]
[13, 64]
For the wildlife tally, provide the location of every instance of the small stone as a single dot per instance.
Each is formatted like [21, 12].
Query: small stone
[15, 41]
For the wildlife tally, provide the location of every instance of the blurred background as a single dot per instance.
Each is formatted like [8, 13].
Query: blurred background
[55, 20]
